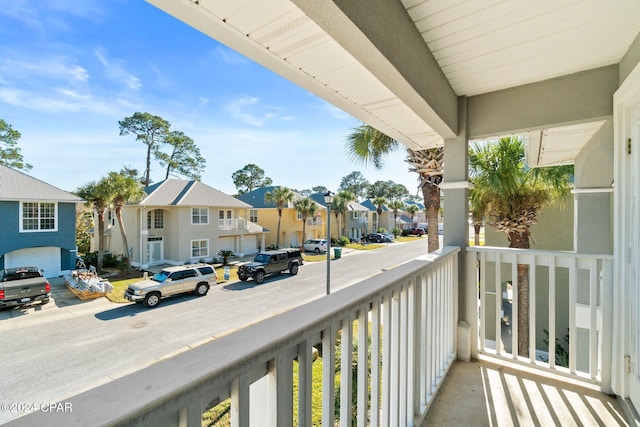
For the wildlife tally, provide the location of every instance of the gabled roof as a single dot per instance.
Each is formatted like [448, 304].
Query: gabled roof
[351, 206]
[418, 204]
[256, 197]
[179, 192]
[369, 205]
[16, 185]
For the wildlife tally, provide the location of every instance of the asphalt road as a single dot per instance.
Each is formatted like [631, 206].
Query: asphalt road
[58, 351]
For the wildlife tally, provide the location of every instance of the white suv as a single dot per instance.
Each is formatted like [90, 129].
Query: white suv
[318, 246]
[195, 278]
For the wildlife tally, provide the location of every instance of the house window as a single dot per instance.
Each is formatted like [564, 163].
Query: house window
[229, 214]
[158, 219]
[38, 216]
[299, 216]
[199, 248]
[253, 215]
[155, 218]
[356, 214]
[199, 216]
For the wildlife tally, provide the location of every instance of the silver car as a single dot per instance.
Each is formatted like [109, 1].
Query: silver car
[318, 246]
[172, 281]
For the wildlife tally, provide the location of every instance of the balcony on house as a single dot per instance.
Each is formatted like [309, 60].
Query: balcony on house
[400, 335]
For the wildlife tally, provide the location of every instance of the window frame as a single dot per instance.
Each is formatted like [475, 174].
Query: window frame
[200, 216]
[39, 218]
[200, 255]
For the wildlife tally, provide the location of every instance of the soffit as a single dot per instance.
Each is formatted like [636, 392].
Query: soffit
[481, 46]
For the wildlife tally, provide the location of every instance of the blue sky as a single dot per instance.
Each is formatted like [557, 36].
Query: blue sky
[71, 69]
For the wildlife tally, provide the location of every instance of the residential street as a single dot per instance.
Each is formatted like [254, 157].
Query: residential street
[60, 350]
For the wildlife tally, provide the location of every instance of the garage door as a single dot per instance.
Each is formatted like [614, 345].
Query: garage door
[47, 259]
[250, 244]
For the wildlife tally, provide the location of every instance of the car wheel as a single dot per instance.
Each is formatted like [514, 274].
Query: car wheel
[258, 276]
[202, 289]
[317, 250]
[293, 269]
[152, 300]
[242, 277]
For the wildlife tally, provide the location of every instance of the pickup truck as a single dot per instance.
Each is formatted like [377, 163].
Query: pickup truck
[23, 286]
[270, 262]
[172, 281]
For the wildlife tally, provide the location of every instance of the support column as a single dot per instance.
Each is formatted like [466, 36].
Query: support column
[593, 194]
[456, 223]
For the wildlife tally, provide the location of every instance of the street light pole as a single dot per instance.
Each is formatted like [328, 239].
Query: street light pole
[328, 199]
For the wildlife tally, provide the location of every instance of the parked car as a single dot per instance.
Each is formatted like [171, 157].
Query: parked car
[315, 245]
[375, 237]
[413, 232]
[170, 281]
[23, 286]
[388, 237]
[271, 262]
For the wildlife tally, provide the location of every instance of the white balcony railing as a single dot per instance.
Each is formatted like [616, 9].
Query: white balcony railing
[232, 224]
[570, 300]
[396, 333]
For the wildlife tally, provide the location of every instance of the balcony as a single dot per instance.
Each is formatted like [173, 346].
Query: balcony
[398, 333]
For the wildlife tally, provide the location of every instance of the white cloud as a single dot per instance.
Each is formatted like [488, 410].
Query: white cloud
[115, 70]
[240, 109]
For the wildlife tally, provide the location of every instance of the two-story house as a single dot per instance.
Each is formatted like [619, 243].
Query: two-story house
[38, 224]
[184, 221]
[290, 221]
[354, 223]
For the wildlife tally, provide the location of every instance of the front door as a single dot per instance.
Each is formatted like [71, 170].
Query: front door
[155, 250]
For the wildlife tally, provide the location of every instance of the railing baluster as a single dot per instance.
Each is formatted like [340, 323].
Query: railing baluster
[363, 358]
[514, 305]
[386, 360]
[346, 377]
[394, 359]
[240, 402]
[552, 312]
[483, 301]
[375, 364]
[305, 362]
[498, 307]
[424, 337]
[403, 378]
[593, 330]
[328, 376]
[573, 290]
[532, 309]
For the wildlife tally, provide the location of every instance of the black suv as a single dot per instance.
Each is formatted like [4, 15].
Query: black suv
[271, 262]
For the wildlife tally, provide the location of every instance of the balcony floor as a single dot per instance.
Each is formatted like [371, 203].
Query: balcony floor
[482, 393]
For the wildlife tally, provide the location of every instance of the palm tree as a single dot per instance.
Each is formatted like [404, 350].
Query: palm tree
[123, 188]
[97, 195]
[379, 203]
[280, 196]
[306, 208]
[511, 194]
[367, 144]
[395, 206]
[412, 210]
[343, 197]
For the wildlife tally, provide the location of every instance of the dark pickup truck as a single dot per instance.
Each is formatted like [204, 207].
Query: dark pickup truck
[271, 262]
[22, 286]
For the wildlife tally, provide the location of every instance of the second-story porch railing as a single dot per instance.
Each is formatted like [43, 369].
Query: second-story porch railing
[385, 347]
[570, 309]
[232, 224]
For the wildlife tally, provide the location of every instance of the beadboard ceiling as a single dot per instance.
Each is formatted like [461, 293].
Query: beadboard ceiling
[481, 46]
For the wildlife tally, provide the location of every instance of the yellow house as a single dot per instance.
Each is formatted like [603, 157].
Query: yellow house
[290, 223]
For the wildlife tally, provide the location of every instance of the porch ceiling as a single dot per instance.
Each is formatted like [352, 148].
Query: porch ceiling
[338, 50]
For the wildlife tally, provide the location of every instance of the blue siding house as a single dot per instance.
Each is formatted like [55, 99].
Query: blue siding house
[37, 224]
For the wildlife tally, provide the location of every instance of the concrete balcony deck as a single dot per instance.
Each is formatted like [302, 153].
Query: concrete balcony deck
[483, 393]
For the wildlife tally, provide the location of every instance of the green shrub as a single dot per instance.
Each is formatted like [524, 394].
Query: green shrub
[344, 241]
[396, 232]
